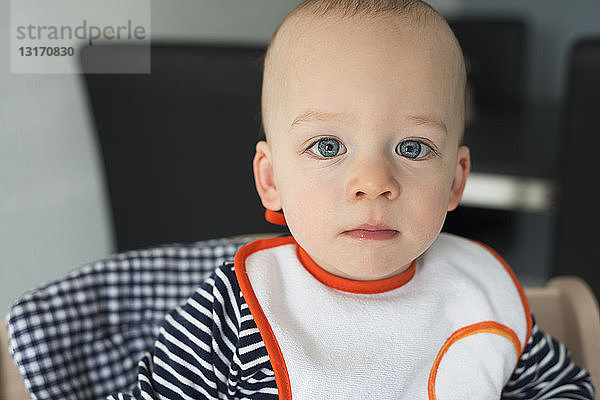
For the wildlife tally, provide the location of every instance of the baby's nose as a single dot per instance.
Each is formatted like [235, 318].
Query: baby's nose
[372, 180]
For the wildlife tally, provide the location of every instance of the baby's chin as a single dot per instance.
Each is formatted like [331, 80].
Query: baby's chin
[368, 260]
[368, 270]
[371, 273]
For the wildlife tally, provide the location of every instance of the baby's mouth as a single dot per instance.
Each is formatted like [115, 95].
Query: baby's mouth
[371, 232]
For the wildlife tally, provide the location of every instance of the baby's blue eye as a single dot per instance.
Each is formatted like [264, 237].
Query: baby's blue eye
[412, 149]
[328, 148]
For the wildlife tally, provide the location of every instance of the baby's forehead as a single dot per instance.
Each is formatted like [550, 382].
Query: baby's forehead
[304, 34]
[305, 25]
[340, 42]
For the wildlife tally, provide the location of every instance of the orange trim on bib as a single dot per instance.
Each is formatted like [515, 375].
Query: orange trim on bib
[480, 327]
[349, 285]
[282, 378]
[275, 217]
[519, 289]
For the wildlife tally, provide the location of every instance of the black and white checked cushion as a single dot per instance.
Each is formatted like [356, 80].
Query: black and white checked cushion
[81, 337]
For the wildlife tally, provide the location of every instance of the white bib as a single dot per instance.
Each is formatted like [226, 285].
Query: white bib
[455, 330]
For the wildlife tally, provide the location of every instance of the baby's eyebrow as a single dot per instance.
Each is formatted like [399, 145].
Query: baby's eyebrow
[313, 115]
[424, 120]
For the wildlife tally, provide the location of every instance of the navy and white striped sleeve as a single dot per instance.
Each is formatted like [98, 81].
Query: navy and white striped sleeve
[209, 348]
[545, 371]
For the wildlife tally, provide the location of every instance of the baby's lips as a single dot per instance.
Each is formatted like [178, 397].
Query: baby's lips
[373, 227]
[372, 232]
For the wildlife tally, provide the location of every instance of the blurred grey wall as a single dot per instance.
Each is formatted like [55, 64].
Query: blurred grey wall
[53, 210]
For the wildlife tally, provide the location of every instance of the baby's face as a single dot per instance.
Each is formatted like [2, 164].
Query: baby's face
[364, 124]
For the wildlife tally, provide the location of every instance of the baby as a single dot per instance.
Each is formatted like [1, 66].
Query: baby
[363, 107]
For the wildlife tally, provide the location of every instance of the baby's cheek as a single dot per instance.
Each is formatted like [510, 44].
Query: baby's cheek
[308, 218]
[428, 216]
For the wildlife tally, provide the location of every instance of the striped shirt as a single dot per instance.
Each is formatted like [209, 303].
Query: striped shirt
[211, 348]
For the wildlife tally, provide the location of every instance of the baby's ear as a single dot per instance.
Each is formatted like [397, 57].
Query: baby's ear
[463, 167]
[264, 178]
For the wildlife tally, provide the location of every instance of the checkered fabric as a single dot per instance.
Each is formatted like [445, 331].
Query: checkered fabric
[81, 337]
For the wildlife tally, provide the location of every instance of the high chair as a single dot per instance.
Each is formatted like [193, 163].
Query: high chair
[564, 308]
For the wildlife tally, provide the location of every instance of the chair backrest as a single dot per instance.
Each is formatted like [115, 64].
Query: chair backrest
[11, 383]
[565, 308]
[494, 48]
[178, 143]
[578, 197]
